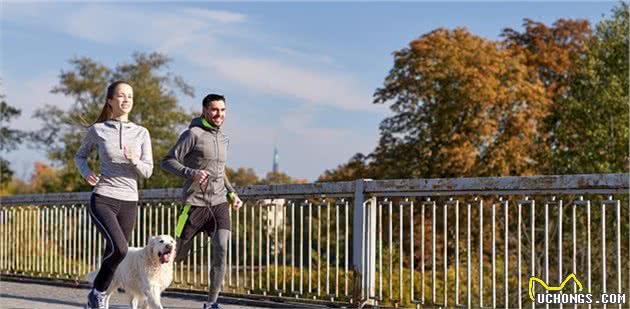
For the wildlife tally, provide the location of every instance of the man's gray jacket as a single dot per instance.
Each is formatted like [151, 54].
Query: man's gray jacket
[200, 147]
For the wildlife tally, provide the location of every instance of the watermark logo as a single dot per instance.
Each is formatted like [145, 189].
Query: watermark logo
[570, 298]
[552, 288]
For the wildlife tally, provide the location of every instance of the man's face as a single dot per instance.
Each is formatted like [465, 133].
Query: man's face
[215, 112]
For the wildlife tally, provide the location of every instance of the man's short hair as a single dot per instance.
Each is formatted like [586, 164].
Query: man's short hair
[212, 97]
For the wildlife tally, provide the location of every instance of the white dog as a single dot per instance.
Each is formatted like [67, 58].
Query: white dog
[144, 273]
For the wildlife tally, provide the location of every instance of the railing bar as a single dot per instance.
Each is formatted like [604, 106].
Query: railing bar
[560, 233]
[574, 208]
[422, 252]
[253, 246]
[327, 248]
[506, 246]
[468, 258]
[445, 259]
[260, 245]
[310, 242]
[337, 240]
[293, 236]
[433, 253]
[412, 256]
[391, 250]
[533, 240]
[494, 256]
[518, 253]
[457, 253]
[238, 247]
[268, 246]
[302, 248]
[319, 247]
[245, 281]
[588, 247]
[481, 289]
[346, 253]
[275, 245]
[66, 240]
[285, 221]
[604, 249]
[400, 253]
[546, 235]
[618, 238]
[380, 251]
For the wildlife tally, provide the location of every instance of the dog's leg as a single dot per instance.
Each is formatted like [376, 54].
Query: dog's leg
[153, 297]
[133, 301]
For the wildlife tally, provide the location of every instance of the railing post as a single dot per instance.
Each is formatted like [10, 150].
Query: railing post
[364, 245]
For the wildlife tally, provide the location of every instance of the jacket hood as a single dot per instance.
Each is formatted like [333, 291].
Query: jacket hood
[204, 124]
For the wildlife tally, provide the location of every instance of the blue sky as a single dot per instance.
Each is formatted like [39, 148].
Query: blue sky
[300, 75]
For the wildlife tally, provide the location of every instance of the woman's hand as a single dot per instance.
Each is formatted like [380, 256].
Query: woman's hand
[92, 179]
[129, 155]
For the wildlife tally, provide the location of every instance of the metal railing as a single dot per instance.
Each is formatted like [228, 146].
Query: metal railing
[471, 242]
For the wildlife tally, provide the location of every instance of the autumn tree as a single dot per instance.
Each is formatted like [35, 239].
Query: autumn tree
[554, 53]
[155, 107]
[463, 106]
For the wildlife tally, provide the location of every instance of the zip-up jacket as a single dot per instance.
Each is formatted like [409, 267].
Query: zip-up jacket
[119, 176]
[201, 147]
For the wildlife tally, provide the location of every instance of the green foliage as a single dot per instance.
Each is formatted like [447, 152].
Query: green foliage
[591, 121]
[9, 139]
[155, 107]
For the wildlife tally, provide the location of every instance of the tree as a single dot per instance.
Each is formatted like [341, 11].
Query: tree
[591, 123]
[357, 168]
[9, 138]
[241, 176]
[45, 179]
[155, 107]
[554, 53]
[277, 178]
[463, 105]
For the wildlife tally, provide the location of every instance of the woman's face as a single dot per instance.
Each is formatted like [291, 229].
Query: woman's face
[122, 101]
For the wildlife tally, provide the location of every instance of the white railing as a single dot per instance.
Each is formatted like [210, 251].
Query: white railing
[471, 242]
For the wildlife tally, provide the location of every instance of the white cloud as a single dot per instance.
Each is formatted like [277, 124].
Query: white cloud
[303, 55]
[196, 35]
[333, 89]
[216, 15]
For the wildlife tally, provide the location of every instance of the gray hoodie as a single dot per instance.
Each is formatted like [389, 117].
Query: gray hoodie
[119, 176]
[201, 147]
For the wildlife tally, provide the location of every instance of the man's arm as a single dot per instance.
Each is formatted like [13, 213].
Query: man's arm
[228, 184]
[172, 162]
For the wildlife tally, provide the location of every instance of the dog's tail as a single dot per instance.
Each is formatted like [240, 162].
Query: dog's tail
[91, 277]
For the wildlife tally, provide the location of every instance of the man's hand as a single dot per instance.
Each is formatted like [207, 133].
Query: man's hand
[91, 179]
[237, 202]
[201, 176]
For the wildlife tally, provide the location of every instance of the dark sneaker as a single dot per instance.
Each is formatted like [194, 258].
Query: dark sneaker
[211, 306]
[96, 300]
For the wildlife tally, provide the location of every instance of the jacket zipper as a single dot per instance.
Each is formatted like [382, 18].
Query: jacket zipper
[120, 135]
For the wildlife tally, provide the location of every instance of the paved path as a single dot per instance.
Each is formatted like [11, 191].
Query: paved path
[18, 295]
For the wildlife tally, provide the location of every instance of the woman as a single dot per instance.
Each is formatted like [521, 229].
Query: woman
[124, 152]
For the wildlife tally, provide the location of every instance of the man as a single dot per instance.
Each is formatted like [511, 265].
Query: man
[199, 156]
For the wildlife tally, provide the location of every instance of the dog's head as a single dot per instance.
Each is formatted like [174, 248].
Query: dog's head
[162, 247]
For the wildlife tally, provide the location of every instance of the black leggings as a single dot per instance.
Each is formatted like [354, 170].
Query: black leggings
[115, 220]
